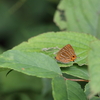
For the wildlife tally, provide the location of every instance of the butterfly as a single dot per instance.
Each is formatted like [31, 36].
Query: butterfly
[66, 54]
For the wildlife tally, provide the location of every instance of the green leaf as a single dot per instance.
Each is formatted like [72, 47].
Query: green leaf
[59, 88]
[50, 43]
[95, 98]
[67, 90]
[88, 91]
[72, 15]
[94, 66]
[35, 64]
[77, 71]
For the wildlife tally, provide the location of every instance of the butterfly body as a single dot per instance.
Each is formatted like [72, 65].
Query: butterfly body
[66, 54]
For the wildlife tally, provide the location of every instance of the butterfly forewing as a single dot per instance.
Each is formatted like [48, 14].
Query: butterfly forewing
[66, 54]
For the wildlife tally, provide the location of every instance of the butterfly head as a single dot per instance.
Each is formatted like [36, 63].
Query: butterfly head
[73, 58]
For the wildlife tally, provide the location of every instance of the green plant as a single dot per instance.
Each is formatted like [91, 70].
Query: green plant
[36, 57]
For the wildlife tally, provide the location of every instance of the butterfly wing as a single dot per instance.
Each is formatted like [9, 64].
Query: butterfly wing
[66, 54]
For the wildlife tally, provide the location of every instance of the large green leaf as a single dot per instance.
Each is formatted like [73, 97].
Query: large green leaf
[79, 16]
[36, 64]
[77, 71]
[49, 43]
[67, 90]
[94, 66]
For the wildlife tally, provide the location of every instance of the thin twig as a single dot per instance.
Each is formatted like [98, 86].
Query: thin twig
[77, 80]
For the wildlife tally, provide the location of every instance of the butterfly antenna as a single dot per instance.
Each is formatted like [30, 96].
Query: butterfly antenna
[9, 72]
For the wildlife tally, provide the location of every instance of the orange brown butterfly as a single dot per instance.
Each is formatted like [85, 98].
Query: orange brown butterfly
[66, 54]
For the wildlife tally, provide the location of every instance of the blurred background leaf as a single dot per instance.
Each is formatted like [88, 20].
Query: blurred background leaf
[19, 21]
[23, 19]
[93, 63]
[88, 92]
[79, 16]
